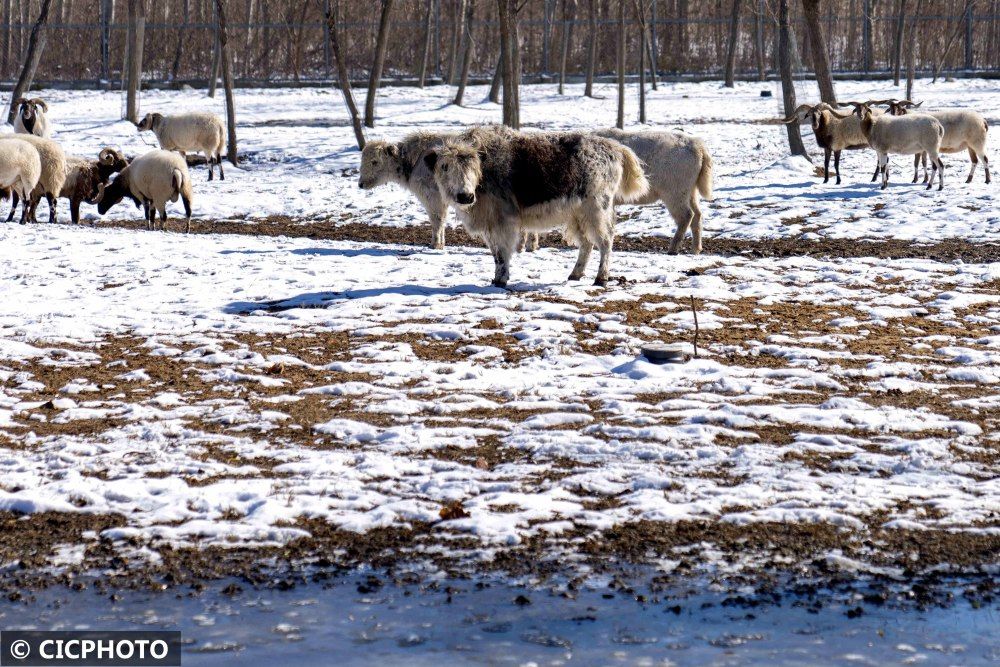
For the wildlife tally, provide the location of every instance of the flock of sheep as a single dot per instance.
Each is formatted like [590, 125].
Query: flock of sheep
[32, 166]
[507, 186]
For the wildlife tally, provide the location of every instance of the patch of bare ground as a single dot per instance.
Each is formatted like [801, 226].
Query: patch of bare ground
[440, 350]
[31, 540]
[419, 235]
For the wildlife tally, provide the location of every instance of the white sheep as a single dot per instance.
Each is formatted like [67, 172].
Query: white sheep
[20, 169]
[53, 176]
[195, 132]
[31, 118]
[402, 163]
[150, 180]
[964, 129]
[902, 135]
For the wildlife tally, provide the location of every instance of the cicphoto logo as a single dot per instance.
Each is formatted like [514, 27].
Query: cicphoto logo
[97, 649]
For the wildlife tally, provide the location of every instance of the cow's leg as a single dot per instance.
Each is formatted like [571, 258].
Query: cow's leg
[603, 270]
[437, 217]
[523, 245]
[836, 164]
[975, 163]
[826, 165]
[503, 246]
[581, 259]
[683, 219]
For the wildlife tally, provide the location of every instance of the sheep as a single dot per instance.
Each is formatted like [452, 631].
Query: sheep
[964, 129]
[835, 131]
[84, 177]
[31, 118]
[20, 169]
[905, 135]
[50, 184]
[503, 182]
[194, 132]
[150, 180]
[678, 168]
[402, 163]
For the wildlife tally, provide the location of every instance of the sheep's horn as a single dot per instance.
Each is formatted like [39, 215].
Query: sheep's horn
[911, 104]
[799, 114]
[40, 102]
[108, 155]
[100, 193]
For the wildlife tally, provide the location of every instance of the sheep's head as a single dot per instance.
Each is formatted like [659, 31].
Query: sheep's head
[457, 172]
[379, 161]
[149, 122]
[29, 109]
[902, 107]
[112, 160]
[111, 193]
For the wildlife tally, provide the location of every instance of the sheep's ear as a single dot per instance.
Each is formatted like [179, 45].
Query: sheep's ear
[392, 150]
[431, 159]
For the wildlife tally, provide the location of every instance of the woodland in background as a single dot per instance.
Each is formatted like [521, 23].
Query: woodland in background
[288, 40]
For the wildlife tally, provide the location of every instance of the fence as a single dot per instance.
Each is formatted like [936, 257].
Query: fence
[287, 40]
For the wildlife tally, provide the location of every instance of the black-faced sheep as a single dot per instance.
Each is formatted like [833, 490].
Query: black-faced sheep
[31, 118]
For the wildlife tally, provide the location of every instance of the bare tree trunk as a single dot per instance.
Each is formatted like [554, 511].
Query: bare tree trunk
[427, 44]
[943, 58]
[248, 37]
[620, 122]
[456, 37]
[227, 81]
[911, 52]
[759, 39]
[787, 83]
[6, 38]
[642, 64]
[137, 31]
[494, 95]
[381, 44]
[734, 32]
[591, 47]
[468, 52]
[569, 14]
[179, 49]
[897, 43]
[511, 70]
[343, 76]
[820, 55]
[36, 44]
[106, 9]
[213, 74]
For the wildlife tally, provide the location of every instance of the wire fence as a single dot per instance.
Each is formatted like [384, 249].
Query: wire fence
[291, 43]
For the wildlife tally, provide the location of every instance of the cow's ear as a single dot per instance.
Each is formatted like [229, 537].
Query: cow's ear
[430, 159]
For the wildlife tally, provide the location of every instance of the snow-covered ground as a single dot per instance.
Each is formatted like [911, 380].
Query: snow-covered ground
[227, 389]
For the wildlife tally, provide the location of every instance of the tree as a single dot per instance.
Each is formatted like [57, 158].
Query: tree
[456, 34]
[136, 40]
[734, 31]
[427, 43]
[227, 80]
[911, 55]
[591, 47]
[897, 43]
[343, 76]
[178, 52]
[569, 13]
[620, 122]
[787, 83]
[820, 56]
[494, 95]
[759, 40]
[510, 63]
[467, 54]
[375, 77]
[36, 44]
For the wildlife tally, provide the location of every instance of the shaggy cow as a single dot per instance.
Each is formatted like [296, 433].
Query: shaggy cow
[503, 182]
[402, 163]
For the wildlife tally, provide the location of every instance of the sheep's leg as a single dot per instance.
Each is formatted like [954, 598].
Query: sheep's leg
[916, 167]
[836, 164]
[163, 216]
[52, 208]
[826, 165]
[986, 168]
[975, 163]
[74, 210]
[145, 215]
[534, 241]
[13, 205]
[218, 161]
[522, 246]
[211, 165]
[884, 164]
[878, 169]
[940, 166]
[33, 207]
[24, 209]
[187, 213]
[923, 161]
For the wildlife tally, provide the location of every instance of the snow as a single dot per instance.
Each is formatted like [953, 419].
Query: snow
[655, 436]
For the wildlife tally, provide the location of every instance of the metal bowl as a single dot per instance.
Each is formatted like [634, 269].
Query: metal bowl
[665, 353]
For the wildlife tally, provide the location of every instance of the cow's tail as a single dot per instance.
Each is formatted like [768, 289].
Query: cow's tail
[705, 175]
[633, 185]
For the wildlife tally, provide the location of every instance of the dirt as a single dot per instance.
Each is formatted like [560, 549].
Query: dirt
[947, 250]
